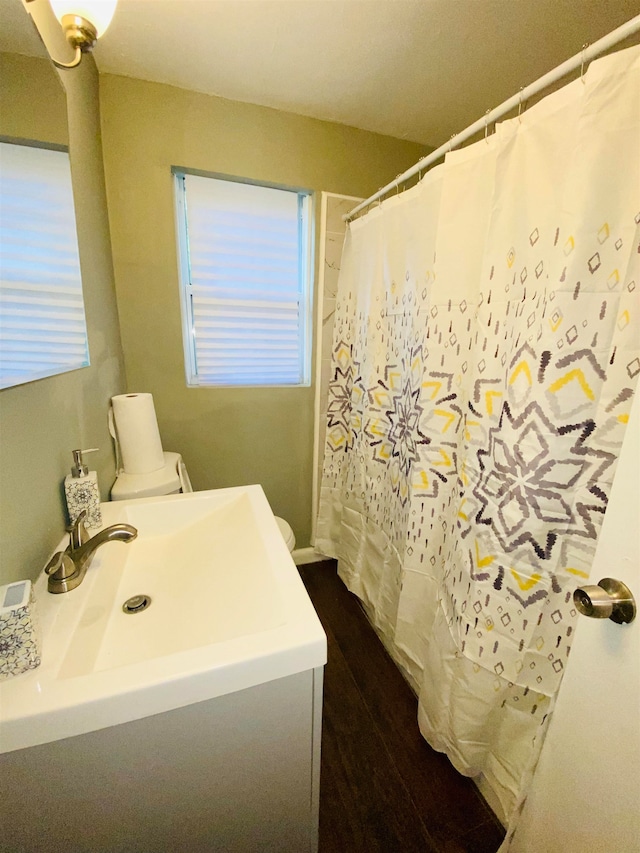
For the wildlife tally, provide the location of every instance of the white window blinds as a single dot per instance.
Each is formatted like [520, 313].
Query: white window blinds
[245, 269]
[42, 322]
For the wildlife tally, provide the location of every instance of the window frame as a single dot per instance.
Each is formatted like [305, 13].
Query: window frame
[306, 261]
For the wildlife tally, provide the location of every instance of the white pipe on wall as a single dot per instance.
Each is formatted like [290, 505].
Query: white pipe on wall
[578, 61]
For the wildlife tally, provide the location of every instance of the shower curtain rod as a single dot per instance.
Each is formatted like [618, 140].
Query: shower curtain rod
[588, 53]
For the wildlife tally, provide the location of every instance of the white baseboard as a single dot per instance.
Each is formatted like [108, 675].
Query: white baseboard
[302, 556]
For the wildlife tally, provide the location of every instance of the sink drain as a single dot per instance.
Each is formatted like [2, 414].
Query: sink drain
[136, 604]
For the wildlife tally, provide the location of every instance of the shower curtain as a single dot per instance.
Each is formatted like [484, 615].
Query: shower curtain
[486, 350]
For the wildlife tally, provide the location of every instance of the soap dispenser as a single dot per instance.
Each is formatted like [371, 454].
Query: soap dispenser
[81, 490]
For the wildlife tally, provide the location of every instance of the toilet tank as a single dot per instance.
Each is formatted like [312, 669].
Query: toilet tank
[169, 480]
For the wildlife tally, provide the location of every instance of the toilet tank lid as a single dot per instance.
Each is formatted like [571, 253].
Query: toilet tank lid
[164, 481]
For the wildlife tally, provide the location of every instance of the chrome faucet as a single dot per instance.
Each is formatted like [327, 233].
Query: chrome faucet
[66, 569]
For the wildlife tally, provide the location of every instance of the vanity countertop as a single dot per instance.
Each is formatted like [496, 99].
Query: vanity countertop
[228, 612]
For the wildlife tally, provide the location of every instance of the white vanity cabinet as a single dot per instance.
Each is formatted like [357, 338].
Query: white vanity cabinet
[192, 725]
[234, 774]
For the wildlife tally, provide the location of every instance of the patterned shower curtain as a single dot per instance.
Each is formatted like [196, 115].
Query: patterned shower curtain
[486, 350]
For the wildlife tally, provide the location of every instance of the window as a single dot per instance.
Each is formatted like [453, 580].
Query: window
[42, 323]
[245, 262]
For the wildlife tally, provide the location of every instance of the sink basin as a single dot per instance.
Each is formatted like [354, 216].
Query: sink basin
[203, 566]
[227, 611]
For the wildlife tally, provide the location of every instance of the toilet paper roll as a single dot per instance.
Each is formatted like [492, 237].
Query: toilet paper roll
[138, 434]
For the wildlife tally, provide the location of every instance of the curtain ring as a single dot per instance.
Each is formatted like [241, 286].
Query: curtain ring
[486, 127]
[520, 105]
[451, 138]
[584, 47]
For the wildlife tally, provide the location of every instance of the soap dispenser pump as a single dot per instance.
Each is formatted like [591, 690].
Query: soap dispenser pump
[81, 490]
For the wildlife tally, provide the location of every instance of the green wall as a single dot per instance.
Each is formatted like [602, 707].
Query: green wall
[41, 422]
[227, 436]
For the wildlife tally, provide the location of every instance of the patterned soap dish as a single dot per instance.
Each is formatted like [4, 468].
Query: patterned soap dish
[19, 635]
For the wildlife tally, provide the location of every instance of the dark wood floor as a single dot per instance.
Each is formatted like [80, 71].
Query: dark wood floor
[382, 788]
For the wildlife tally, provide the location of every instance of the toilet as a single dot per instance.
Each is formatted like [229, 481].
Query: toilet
[172, 479]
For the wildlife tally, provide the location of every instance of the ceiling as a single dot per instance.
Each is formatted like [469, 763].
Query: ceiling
[414, 69]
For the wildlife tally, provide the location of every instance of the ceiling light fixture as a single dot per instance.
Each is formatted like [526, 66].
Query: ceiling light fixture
[83, 22]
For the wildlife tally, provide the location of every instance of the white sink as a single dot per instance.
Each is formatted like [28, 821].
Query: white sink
[206, 569]
[228, 611]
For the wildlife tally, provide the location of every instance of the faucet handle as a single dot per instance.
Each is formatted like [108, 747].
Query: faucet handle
[60, 566]
[78, 533]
